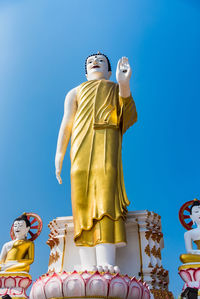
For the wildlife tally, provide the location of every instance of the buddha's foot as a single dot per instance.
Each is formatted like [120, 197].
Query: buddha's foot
[108, 268]
[99, 268]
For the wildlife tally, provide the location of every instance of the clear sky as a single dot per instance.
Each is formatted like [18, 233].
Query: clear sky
[43, 44]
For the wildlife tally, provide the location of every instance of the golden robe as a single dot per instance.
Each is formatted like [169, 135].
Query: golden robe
[22, 251]
[191, 258]
[99, 199]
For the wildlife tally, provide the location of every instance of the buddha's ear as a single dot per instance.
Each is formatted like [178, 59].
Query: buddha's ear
[109, 74]
[86, 76]
[192, 218]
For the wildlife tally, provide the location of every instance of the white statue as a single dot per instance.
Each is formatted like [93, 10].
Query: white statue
[193, 235]
[17, 255]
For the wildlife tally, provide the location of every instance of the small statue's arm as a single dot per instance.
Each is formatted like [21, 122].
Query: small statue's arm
[3, 254]
[6, 247]
[188, 244]
[65, 131]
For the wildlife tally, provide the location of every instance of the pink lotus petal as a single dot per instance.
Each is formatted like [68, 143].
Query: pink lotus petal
[53, 287]
[10, 282]
[118, 287]
[146, 293]
[135, 289]
[73, 285]
[196, 275]
[96, 285]
[24, 282]
[191, 272]
[185, 275]
[37, 291]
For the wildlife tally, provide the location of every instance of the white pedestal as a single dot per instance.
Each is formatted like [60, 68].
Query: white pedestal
[140, 258]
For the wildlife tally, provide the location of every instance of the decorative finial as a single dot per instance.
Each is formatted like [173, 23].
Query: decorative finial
[99, 53]
[195, 199]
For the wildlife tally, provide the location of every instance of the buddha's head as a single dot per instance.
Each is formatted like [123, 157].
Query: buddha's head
[97, 66]
[195, 212]
[21, 226]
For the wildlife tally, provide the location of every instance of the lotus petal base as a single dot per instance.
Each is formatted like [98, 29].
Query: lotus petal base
[14, 284]
[89, 285]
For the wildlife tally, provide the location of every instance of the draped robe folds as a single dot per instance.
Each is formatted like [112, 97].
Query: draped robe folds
[99, 200]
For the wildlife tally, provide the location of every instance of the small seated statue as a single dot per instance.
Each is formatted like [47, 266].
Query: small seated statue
[17, 255]
[193, 235]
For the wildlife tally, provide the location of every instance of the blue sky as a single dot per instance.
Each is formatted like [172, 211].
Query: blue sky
[43, 44]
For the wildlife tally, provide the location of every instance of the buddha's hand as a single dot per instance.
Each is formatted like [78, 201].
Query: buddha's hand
[194, 251]
[58, 166]
[123, 72]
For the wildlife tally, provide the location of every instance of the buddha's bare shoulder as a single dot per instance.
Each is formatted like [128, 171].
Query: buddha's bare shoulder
[72, 92]
[193, 232]
[10, 243]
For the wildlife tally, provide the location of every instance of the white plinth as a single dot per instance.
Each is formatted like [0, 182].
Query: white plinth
[140, 258]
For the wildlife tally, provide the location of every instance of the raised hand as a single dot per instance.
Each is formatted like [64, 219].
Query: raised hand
[123, 72]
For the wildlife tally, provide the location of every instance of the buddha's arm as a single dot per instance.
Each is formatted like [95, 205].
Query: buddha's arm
[123, 74]
[188, 244]
[124, 90]
[65, 130]
[3, 254]
[129, 113]
[5, 249]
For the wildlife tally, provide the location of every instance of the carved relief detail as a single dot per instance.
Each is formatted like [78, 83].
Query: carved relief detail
[53, 258]
[154, 270]
[154, 251]
[154, 236]
[150, 265]
[147, 250]
[52, 241]
[160, 294]
[158, 254]
[148, 234]
[159, 237]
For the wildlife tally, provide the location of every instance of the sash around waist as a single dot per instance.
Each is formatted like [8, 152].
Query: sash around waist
[105, 125]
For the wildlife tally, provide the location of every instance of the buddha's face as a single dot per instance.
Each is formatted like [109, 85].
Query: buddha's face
[97, 68]
[195, 216]
[20, 229]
